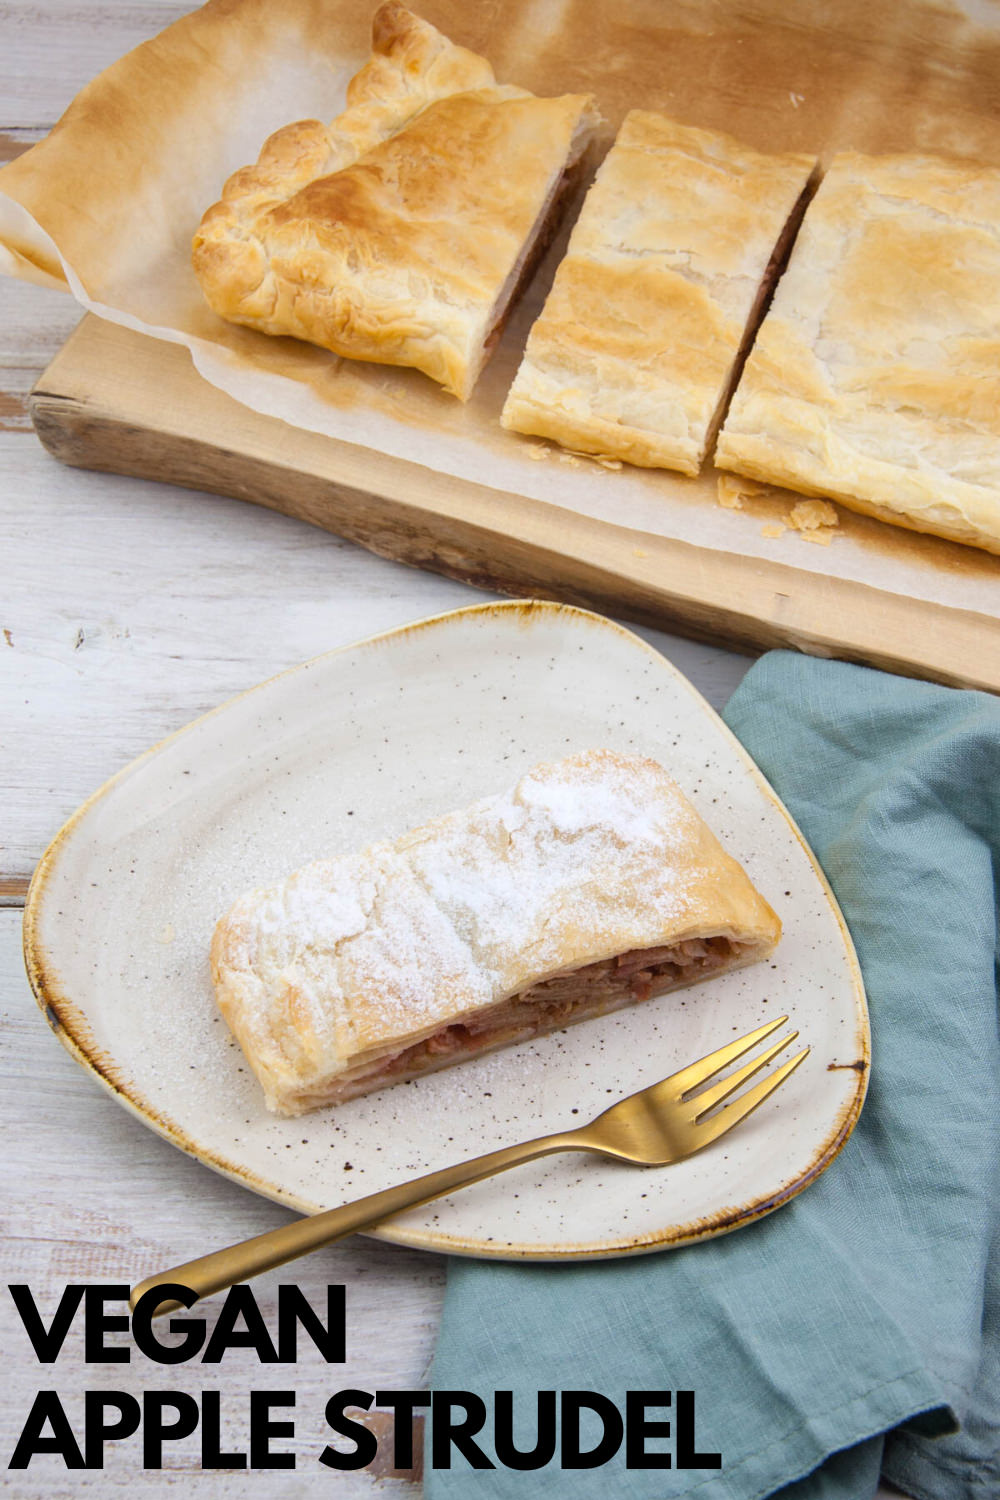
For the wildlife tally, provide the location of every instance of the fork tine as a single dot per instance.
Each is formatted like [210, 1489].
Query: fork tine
[701, 1071]
[748, 1102]
[709, 1098]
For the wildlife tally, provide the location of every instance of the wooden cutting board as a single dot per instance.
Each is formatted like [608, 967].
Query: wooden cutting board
[118, 401]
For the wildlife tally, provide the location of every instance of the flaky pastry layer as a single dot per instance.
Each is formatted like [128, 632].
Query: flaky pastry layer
[592, 884]
[398, 233]
[875, 377]
[634, 352]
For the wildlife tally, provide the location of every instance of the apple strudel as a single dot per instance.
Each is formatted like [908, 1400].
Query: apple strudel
[635, 351]
[591, 885]
[875, 377]
[400, 233]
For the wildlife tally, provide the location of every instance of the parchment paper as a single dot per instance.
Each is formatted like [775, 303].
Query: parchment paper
[106, 206]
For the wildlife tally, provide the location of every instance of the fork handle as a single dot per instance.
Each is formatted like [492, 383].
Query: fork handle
[223, 1268]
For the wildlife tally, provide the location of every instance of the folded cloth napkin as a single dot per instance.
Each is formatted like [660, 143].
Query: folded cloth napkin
[857, 1330]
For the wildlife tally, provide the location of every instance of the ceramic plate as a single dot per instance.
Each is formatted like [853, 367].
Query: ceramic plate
[362, 744]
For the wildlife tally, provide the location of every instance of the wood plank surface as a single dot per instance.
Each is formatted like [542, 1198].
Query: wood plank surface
[129, 608]
[53, 48]
[119, 401]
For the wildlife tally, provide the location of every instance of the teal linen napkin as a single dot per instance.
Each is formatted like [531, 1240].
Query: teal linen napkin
[857, 1330]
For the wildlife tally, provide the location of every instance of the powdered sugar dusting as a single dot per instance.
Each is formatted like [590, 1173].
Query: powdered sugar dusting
[549, 866]
[613, 801]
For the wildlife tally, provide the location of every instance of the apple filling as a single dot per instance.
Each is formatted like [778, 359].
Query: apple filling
[571, 995]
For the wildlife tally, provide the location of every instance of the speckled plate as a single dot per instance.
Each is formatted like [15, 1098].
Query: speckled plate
[363, 743]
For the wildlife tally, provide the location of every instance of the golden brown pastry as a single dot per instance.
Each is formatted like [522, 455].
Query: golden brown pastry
[875, 377]
[591, 885]
[635, 350]
[400, 233]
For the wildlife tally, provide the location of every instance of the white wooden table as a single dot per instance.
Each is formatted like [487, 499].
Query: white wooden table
[127, 608]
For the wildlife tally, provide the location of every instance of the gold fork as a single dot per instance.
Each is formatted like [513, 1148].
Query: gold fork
[659, 1125]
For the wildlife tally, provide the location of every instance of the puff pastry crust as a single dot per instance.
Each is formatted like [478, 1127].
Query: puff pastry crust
[399, 233]
[590, 885]
[634, 352]
[875, 377]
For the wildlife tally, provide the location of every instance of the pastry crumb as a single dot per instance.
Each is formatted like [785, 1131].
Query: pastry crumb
[538, 451]
[729, 492]
[810, 515]
[815, 521]
[166, 934]
[823, 537]
[638, 552]
[733, 489]
[571, 455]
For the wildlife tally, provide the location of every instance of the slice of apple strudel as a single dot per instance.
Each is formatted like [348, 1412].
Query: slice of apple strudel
[591, 885]
[677, 245]
[400, 233]
[875, 377]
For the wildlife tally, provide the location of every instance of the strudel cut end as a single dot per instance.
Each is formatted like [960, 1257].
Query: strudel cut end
[591, 885]
[400, 233]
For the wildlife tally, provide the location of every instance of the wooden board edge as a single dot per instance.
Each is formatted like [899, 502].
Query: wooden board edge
[466, 531]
